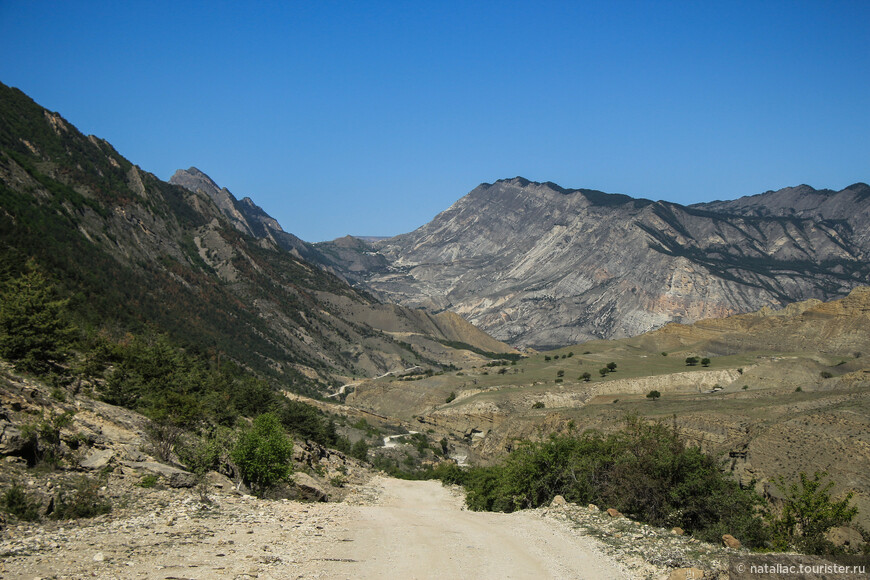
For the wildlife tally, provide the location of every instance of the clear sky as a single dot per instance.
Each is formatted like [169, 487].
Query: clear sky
[369, 118]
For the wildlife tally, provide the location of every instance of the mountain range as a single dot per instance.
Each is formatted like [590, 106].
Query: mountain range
[135, 253]
[531, 264]
[534, 264]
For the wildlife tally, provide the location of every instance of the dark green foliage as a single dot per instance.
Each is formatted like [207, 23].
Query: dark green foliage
[308, 422]
[263, 453]
[360, 450]
[826, 374]
[451, 397]
[44, 438]
[83, 500]
[586, 376]
[560, 373]
[645, 471]
[34, 332]
[692, 361]
[808, 512]
[653, 395]
[603, 371]
[705, 362]
[511, 356]
[538, 405]
[18, 504]
[611, 366]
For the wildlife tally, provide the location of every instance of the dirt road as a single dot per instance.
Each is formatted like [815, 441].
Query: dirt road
[386, 529]
[419, 530]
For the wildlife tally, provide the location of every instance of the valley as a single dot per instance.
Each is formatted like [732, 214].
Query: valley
[181, 331]
[785, 391]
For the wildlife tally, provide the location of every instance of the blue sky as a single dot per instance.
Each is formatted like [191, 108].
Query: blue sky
[368, 118]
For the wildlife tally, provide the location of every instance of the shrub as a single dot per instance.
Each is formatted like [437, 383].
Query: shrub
[611, 366]
[644, 470]
[263, 453]
[653, 395]
[825, 375]
[692, 361]
[44, 437]
[148, 481]
[705, 362]
[82, 501]
[360, 450]
[538, 405]
[19, 505]
[603, 371]
[808, 512]
[210, 451]
[451, 397]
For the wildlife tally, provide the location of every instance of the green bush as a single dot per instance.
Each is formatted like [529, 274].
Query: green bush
[360, 450]
[83, 500]
[808, 512]
[148, 481]
[19, 505]
[209, 451]
[263, 453]
[644, 471]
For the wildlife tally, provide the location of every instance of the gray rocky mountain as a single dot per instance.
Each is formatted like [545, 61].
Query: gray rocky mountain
[535, 264]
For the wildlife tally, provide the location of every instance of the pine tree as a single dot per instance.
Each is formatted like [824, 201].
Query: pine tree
[34, 332]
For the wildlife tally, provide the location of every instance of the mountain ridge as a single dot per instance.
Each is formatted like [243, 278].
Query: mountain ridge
[137, 253]
[540, 265]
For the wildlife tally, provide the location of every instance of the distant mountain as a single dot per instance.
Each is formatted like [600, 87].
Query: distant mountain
[215, 273]
[539, 265]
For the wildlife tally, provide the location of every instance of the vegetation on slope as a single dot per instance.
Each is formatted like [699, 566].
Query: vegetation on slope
[648, 472]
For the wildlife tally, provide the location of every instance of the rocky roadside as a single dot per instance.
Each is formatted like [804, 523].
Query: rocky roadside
[645, 551]
[179, 534]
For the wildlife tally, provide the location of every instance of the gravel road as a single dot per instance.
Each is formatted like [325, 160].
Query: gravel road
[419, 529]
[386, 529]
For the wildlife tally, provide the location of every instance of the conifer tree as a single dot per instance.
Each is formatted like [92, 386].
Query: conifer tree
[34, 332]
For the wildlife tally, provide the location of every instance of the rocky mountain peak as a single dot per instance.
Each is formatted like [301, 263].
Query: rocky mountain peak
[540, 265]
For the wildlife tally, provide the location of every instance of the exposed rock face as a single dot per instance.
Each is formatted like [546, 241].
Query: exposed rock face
[535, 264]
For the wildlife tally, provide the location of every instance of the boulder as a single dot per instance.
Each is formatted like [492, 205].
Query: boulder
[677, 531]
[614, 513]
[558, 501]
[174, 476]
[592, 507]
[309, 488]
[219, 481]
[731, 542]
[686, 574]
[97, 459]
[11, 440]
